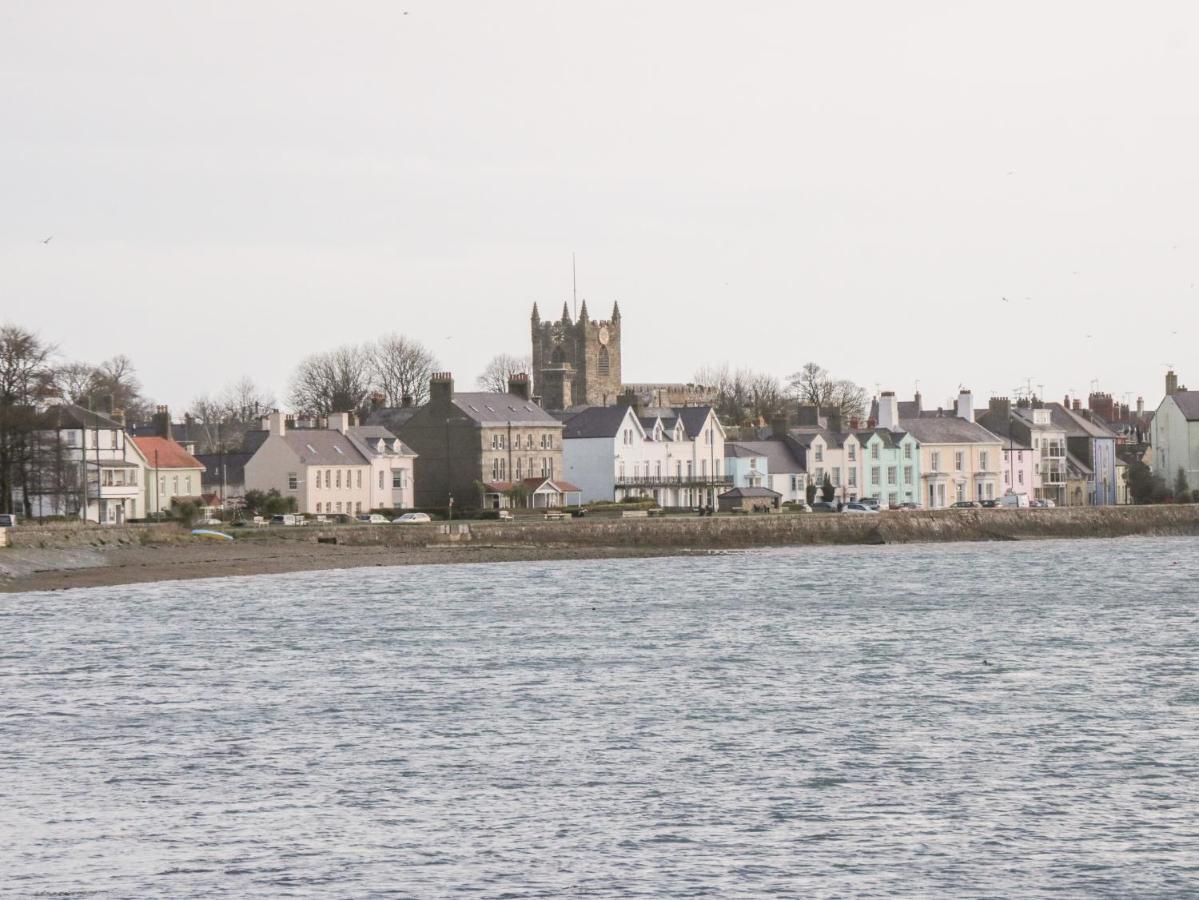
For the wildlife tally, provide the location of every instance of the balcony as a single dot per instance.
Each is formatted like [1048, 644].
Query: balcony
[652, 481]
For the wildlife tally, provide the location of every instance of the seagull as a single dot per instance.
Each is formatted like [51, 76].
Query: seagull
[1005, 299]
[48, 240]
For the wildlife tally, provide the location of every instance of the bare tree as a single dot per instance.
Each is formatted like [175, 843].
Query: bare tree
[225, 418]
[502, 367]
[74, 381]
[401, 367]
[24, 376]
[814, 386]
[336, 381]
[743, 397]
[115, 381]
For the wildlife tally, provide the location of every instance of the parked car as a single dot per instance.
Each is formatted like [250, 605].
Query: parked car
[871, 502]
[8, 520]
[408, 518]
[989, 504]
[1042, 504]
[966, 504]
[824, 506]
[1015, 501]
[907, 504]
[372, 518]
[857, 506]
[797, 506]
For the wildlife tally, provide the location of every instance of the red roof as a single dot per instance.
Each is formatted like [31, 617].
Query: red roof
[163, 453]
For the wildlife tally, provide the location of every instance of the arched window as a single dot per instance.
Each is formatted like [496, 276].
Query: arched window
[603, 362]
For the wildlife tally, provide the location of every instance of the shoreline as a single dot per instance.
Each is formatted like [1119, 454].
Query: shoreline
[57, 557]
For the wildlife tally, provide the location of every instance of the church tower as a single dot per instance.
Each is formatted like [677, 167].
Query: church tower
[589, 347]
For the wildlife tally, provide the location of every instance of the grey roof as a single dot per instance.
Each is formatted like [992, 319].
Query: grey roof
[324, 448]
[502, 409]
[749, 492]
[1072, 460]
[908, 409]
[779, 458]
[391, 417]
[1076, 425]
[889, 437]
[804, 434]
[235, 468]
[373, 433]
[693, 418]
[595, 422]
[948, 430]
[1188, 403]
[71, 415]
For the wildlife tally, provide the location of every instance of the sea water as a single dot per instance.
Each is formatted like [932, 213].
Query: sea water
[998, 720]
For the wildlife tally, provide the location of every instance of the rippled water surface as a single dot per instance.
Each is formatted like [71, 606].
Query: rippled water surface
[972, 720]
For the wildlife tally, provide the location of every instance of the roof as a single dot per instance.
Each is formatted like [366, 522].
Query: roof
[391, 417]
[502, 409]
[1188, 404]
[908, 409]
[1072, 460]
[163, 453]
[366, 435]
[694, 418]
[234, 463]
[324, 447]
[72, 415]
[804, 435]
[948, 430]
[749, 492]
[1075, 424]
[779, 458]
[595, 422]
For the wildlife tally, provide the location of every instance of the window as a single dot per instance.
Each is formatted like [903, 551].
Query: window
[907, 451]
[503, 469]
[604, 364]
[397, 479]
[936, 461]
[339, 506]
[819, 448]
[960, 492]
[982, 460]
[360, 478]
[875, 451]
[518, 469]
[876, 475]
[318, 508]
[1019, 456]
[380, 479]
[1020, 476]
[358, 506]
[495, 470]
[337, 480]
[328, 477]
[853, 477]
[836, 476]
[819, 475]
[892, 474]
[162, 484]
[174, 485]
[957, 461]
[853, 451]
[907, 474]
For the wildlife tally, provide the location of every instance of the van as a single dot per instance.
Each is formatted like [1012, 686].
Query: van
[8, 520]
[1014, 501]
[287, 519]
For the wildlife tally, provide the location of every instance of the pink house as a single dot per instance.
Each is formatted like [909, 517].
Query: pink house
[1018, 469]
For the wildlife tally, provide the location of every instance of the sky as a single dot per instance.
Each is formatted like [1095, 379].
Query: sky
[231, 186]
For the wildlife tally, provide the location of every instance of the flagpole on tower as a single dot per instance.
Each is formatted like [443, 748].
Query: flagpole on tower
[574, 288]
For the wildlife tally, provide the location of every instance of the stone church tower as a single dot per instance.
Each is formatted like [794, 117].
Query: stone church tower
[576, 363]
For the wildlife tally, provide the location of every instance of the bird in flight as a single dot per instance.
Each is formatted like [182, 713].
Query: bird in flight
[48, 240]
[1005, 299]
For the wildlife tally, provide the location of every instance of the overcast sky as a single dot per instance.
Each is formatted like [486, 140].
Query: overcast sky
[231, 186]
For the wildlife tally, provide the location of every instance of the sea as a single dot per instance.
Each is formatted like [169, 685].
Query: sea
[968, 720]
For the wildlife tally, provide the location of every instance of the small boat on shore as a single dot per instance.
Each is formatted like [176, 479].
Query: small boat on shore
[208, 533]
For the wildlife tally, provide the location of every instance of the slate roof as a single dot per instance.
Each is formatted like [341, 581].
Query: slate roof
[693, 418]
[804, 434]
[1076, 425]
[595, 422]
[948, 430]
[71, 415]
[368, 434]
[749, 492]
[486, 408]
[324, 448]
[779, 458]
[163, 453]
[1188, 404]
[392, 418]
[235, 468]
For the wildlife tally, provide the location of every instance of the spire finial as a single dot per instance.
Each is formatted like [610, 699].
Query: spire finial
[583, 312]
[536, 314]
[565, 311]
[615, 312]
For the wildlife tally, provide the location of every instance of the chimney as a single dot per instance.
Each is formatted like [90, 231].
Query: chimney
[1000, 408]
[406, 401]
[162, 422]
[378, 400]
[780, 425]
[1102, 405]
[807, 415]
[630, 398]
[276, 423]
[854, 423]
[1171, 383]
[965, 406]
[834, 421]
[919, 403]
[888, 410]
[557, 383]
[518, 386]
[339, 422]
[441, 387]
[1140, 407]
[188, 419]
[1077, 405]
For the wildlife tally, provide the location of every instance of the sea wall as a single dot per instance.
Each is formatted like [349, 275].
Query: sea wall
[720, 532]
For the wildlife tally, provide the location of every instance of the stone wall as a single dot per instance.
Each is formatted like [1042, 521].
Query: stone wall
[78, 535]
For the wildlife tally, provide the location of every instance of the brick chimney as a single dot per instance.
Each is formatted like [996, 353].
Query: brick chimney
[441, 387]
[1000, 407]
[520, 386]
[1077, 407]
[1140, 407]
[1171, 383]
[161, 420]
[834, 421]
[406, 401]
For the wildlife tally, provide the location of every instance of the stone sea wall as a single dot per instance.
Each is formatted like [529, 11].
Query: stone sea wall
[918, 526]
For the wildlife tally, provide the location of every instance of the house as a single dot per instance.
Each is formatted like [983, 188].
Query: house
[959, 459]
[827, 452]
[323, 469]
[479, 448]
[1093, 447]
[674, 456]
[749, 499]
[172, 474]
[1175, 434]
[1034, 449]
[890, 466]
[392, 463]
[772, 464]
[86, 467]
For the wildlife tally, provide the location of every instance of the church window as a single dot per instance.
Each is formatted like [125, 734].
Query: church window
[603, 367]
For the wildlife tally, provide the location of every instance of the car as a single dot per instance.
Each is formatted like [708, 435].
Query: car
[409, 518]
[8, 520]
[1042, 504]
[966, 504]
[857, 506]
[797, 506]
[287, 519]
[579, 512]
[1016, 501]
[907, 504]
[872, 502]
[989, 504]
[372, 518]
[824, 506]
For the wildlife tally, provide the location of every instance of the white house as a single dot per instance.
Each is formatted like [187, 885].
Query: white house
[675, 456]
[772, 464]
[391, 460]
[87, 467]
[1175, 434]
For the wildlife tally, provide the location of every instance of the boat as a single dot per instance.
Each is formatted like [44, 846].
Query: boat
[208, 533]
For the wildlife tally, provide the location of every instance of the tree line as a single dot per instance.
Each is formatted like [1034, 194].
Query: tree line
[746, 397]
